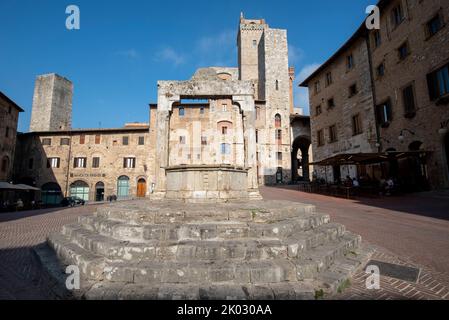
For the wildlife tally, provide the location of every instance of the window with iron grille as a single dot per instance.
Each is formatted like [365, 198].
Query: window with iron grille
[125, 140]
[141, 141]
[64, 141]
[46, 142]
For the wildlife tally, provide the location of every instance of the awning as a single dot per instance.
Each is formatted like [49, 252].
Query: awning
[27, 187]
[8, 186]
[22, 187]
[368, 158]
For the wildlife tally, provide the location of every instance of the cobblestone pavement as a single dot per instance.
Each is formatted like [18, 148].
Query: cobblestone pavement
[409, 230]
[19, 232]
[400, 234]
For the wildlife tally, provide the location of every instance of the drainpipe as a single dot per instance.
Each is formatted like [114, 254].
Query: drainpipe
[373, 91]
[68, 164]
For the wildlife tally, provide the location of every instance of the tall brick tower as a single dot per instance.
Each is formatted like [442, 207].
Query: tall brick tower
[263, 57]
[52, 103]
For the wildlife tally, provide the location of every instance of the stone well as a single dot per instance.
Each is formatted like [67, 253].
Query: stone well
[206, 183]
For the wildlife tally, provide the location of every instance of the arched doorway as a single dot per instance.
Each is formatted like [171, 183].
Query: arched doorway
[300, 159]
[123, 187]
[141, 188]
[99, 191]
[51, 193]
[80, 189]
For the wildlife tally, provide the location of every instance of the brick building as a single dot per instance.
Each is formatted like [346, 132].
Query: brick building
[386, 91]
[9, 116]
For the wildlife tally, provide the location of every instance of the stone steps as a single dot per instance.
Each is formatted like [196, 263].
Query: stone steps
[168, 271]
[167, 250]
[211, 249]
[328, 282]
[202, 230]
[251, 211]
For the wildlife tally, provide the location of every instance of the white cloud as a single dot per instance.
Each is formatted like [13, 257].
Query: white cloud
[130, 54]
[302, 94]
[217, 50]
[170, 55]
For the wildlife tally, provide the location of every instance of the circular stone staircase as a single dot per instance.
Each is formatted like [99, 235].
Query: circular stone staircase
[170, 250]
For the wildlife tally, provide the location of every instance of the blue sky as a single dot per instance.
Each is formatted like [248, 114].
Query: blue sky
[124, 47]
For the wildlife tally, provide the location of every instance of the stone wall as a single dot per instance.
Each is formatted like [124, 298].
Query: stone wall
[110, 150]
[9, 116]
[426, 54]
[346, 106]
[52, 104]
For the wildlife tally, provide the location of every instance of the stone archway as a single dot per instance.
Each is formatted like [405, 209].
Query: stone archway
[300, 159]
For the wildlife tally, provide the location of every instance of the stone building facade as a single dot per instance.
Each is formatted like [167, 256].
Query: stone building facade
[52, 103]
[401, 72]
[410, 50]
[89, 163]
[9, 116]
[341, 107]
[263, 58]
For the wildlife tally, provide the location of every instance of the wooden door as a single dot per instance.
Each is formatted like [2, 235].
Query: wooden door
[141, 188]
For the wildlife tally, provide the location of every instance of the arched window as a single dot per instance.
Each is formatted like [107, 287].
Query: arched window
[277, 120]
[80, 189]
[123, 187]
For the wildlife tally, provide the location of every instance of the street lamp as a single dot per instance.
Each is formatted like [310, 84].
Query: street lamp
[401, 135]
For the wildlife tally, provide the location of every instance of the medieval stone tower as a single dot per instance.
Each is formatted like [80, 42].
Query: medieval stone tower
[263, 58]
[52, 104]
